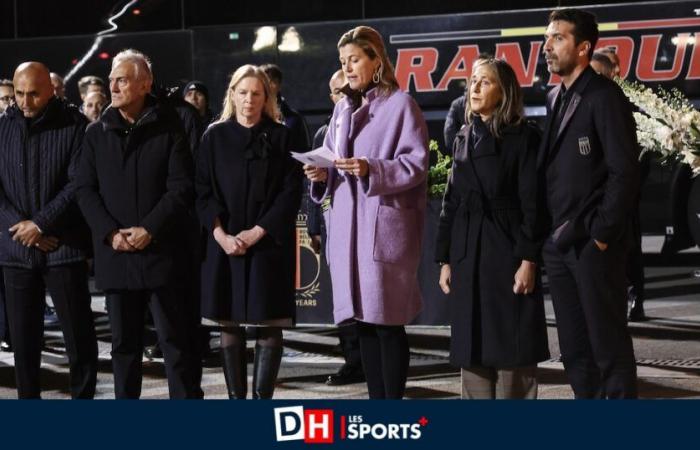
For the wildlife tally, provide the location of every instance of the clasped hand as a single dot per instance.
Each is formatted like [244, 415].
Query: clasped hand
[130, 239]
[238, 245]
[27, 233]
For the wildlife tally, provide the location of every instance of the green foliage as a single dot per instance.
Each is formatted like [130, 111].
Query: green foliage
[438, 173]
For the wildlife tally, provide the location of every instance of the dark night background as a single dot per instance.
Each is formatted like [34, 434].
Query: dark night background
[25, 19]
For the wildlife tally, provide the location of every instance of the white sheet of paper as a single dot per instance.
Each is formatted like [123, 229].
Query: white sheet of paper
[320, 157]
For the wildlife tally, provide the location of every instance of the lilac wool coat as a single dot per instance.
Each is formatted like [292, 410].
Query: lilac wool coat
[375, 224]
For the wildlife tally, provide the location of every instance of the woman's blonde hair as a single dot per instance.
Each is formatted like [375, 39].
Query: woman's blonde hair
[509, 110]
[371, 42]
[229, 109]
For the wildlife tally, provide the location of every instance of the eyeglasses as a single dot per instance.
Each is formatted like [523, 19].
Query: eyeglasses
[7, 99]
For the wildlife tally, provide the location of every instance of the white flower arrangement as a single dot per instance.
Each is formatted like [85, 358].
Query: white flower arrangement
[667, 123]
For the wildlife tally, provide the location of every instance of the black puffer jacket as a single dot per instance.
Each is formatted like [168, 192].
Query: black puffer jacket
[137, 175]
[38, 164]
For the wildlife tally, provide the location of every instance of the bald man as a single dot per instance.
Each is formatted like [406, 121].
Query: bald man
[44, 245]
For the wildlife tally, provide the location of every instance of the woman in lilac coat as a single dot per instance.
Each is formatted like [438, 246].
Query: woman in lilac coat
[377, 197]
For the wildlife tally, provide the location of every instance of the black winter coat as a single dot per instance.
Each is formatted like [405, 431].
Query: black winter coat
[137, 175]
[315, 225]
[454, 122]
[298, 130]
[37, 182]
[485, 237]
[246, 177]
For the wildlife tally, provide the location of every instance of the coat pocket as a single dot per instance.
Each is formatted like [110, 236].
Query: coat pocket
[396, 237]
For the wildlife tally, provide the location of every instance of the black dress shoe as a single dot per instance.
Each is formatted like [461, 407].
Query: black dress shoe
[345, 376]
[637, 312]
[152, 352]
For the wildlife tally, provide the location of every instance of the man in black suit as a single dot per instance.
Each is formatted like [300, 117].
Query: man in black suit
[291, 118]
[351, 371]
[591, 173]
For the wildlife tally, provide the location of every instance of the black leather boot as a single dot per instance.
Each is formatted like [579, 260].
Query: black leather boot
[235, 364]
[265, 369]
[637, 311]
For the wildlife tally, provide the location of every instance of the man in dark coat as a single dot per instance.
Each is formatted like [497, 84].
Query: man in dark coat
[196, 93]
[591, 174]
[42, 234]
[194, 128]
[454, 122]
[7, 99]
[299, 140]
[135, 189]
[351, 370]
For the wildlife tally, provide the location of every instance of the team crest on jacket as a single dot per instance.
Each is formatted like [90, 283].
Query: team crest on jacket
[584, 145]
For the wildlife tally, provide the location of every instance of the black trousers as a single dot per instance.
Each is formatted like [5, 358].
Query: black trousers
[4, 326]
[169, 310]
[588, 290]
[350, 345]
[25, 292]
[635, 262]
[385, 358]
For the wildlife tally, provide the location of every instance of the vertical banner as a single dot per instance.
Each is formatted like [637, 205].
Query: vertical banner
[313, 285]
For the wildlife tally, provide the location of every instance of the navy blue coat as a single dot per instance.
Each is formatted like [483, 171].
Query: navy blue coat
[38, 163]
[138, 175]
[246, 177]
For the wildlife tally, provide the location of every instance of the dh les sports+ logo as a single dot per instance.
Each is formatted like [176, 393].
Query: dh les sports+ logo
[318, 426]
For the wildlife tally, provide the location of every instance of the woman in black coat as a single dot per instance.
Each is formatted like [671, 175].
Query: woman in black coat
[488, 242]
[248, 194]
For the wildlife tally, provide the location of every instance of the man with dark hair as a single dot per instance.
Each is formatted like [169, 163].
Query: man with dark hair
[299, 131]
[135, 188]
[197, 95]
[591, 178]
[454, 122]
[43, 241]
[610, 53]
[59, 88]
[602, 65]
[7, 99]
[7, 95]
